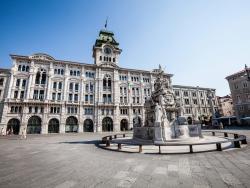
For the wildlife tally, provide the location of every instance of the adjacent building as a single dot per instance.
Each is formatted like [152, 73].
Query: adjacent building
[195, 101]
[46, 95]
[225, 106]
[240, 92]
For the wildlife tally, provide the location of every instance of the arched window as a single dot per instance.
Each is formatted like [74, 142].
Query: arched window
[71, 72]
[23, 68]
[107, 82]
[71, 124]
[53, 126]
[19, 67]
[34, 125]
[38, 75]
[27, 68]
[43, 81]
[13, 126]
[62, 72]
[74, 73]
[78, 73]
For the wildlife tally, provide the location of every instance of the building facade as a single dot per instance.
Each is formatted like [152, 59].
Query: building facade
[4, 81]
[225, 106]
[195, 102]
[45, 95]
[240, 92]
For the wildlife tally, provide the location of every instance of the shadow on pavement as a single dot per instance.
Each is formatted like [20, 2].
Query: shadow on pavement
[95, 142]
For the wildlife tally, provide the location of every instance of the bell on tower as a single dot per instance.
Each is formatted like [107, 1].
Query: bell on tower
[106, 49]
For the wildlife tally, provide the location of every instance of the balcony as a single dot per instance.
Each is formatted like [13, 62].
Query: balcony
[106, 88]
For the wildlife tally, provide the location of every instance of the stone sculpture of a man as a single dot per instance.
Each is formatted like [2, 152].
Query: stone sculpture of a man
[158, 112]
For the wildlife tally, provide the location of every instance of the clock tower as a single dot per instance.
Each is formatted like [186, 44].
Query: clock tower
[106, 50]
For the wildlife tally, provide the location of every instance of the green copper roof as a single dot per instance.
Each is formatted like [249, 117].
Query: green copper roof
[106, 36]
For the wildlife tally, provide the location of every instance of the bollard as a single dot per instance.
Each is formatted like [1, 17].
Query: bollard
[225, 135]
[119, 146]
[123, 135]
[159, 149]
[140, 148]
[110, 138]
[244, 141]
[107, 143]
[218, 146]
[115, 136]
[236, 144]
[236, 136]
[191, 148]
[213, 133]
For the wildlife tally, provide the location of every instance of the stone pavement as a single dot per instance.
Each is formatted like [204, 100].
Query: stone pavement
[73, 160]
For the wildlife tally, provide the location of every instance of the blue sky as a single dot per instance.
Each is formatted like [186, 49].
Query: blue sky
[200, 42]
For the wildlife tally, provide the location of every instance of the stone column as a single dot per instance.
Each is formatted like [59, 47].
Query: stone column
[62, 120]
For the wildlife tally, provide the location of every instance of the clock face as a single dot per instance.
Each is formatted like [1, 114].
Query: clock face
[107, 50]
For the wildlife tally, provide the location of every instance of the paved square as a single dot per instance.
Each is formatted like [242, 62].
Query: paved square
[73, 160]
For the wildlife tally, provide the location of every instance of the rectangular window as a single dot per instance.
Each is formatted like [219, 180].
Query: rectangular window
[76, 87]
[24, 83]
[71, 86]
[41, 109]
[125, 100]
[22, 95]
[35, 95]
[195, 101]
[91, 87]
[41, 95]
[76, 97]
[87, 88]
[18, 82]
[60, 85]
[185, 93]
[15, 94]
[70, 97]
[86, 98]
[59, 96]
[54, 85]
[186, 101]
[53, 96]
[109, 98]
[36, 109]
[30, 109]
[91, 99]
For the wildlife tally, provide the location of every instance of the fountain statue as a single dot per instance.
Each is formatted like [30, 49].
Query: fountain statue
[163, 121]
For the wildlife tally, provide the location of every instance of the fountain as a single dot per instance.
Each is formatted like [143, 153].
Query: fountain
[162, 117]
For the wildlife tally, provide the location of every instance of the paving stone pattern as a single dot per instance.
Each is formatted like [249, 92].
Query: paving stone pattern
[73, 160]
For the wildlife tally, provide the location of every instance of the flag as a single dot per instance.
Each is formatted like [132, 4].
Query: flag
[106, 23]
